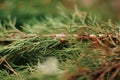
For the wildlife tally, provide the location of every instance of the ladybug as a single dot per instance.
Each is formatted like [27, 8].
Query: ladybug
[63, 40]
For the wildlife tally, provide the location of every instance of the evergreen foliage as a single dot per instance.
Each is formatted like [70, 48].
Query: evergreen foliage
[26, 54]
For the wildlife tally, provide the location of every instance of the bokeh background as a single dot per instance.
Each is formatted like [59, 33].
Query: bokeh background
[26, 10]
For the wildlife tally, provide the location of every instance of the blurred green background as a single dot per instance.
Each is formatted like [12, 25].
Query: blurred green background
[26, 10]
